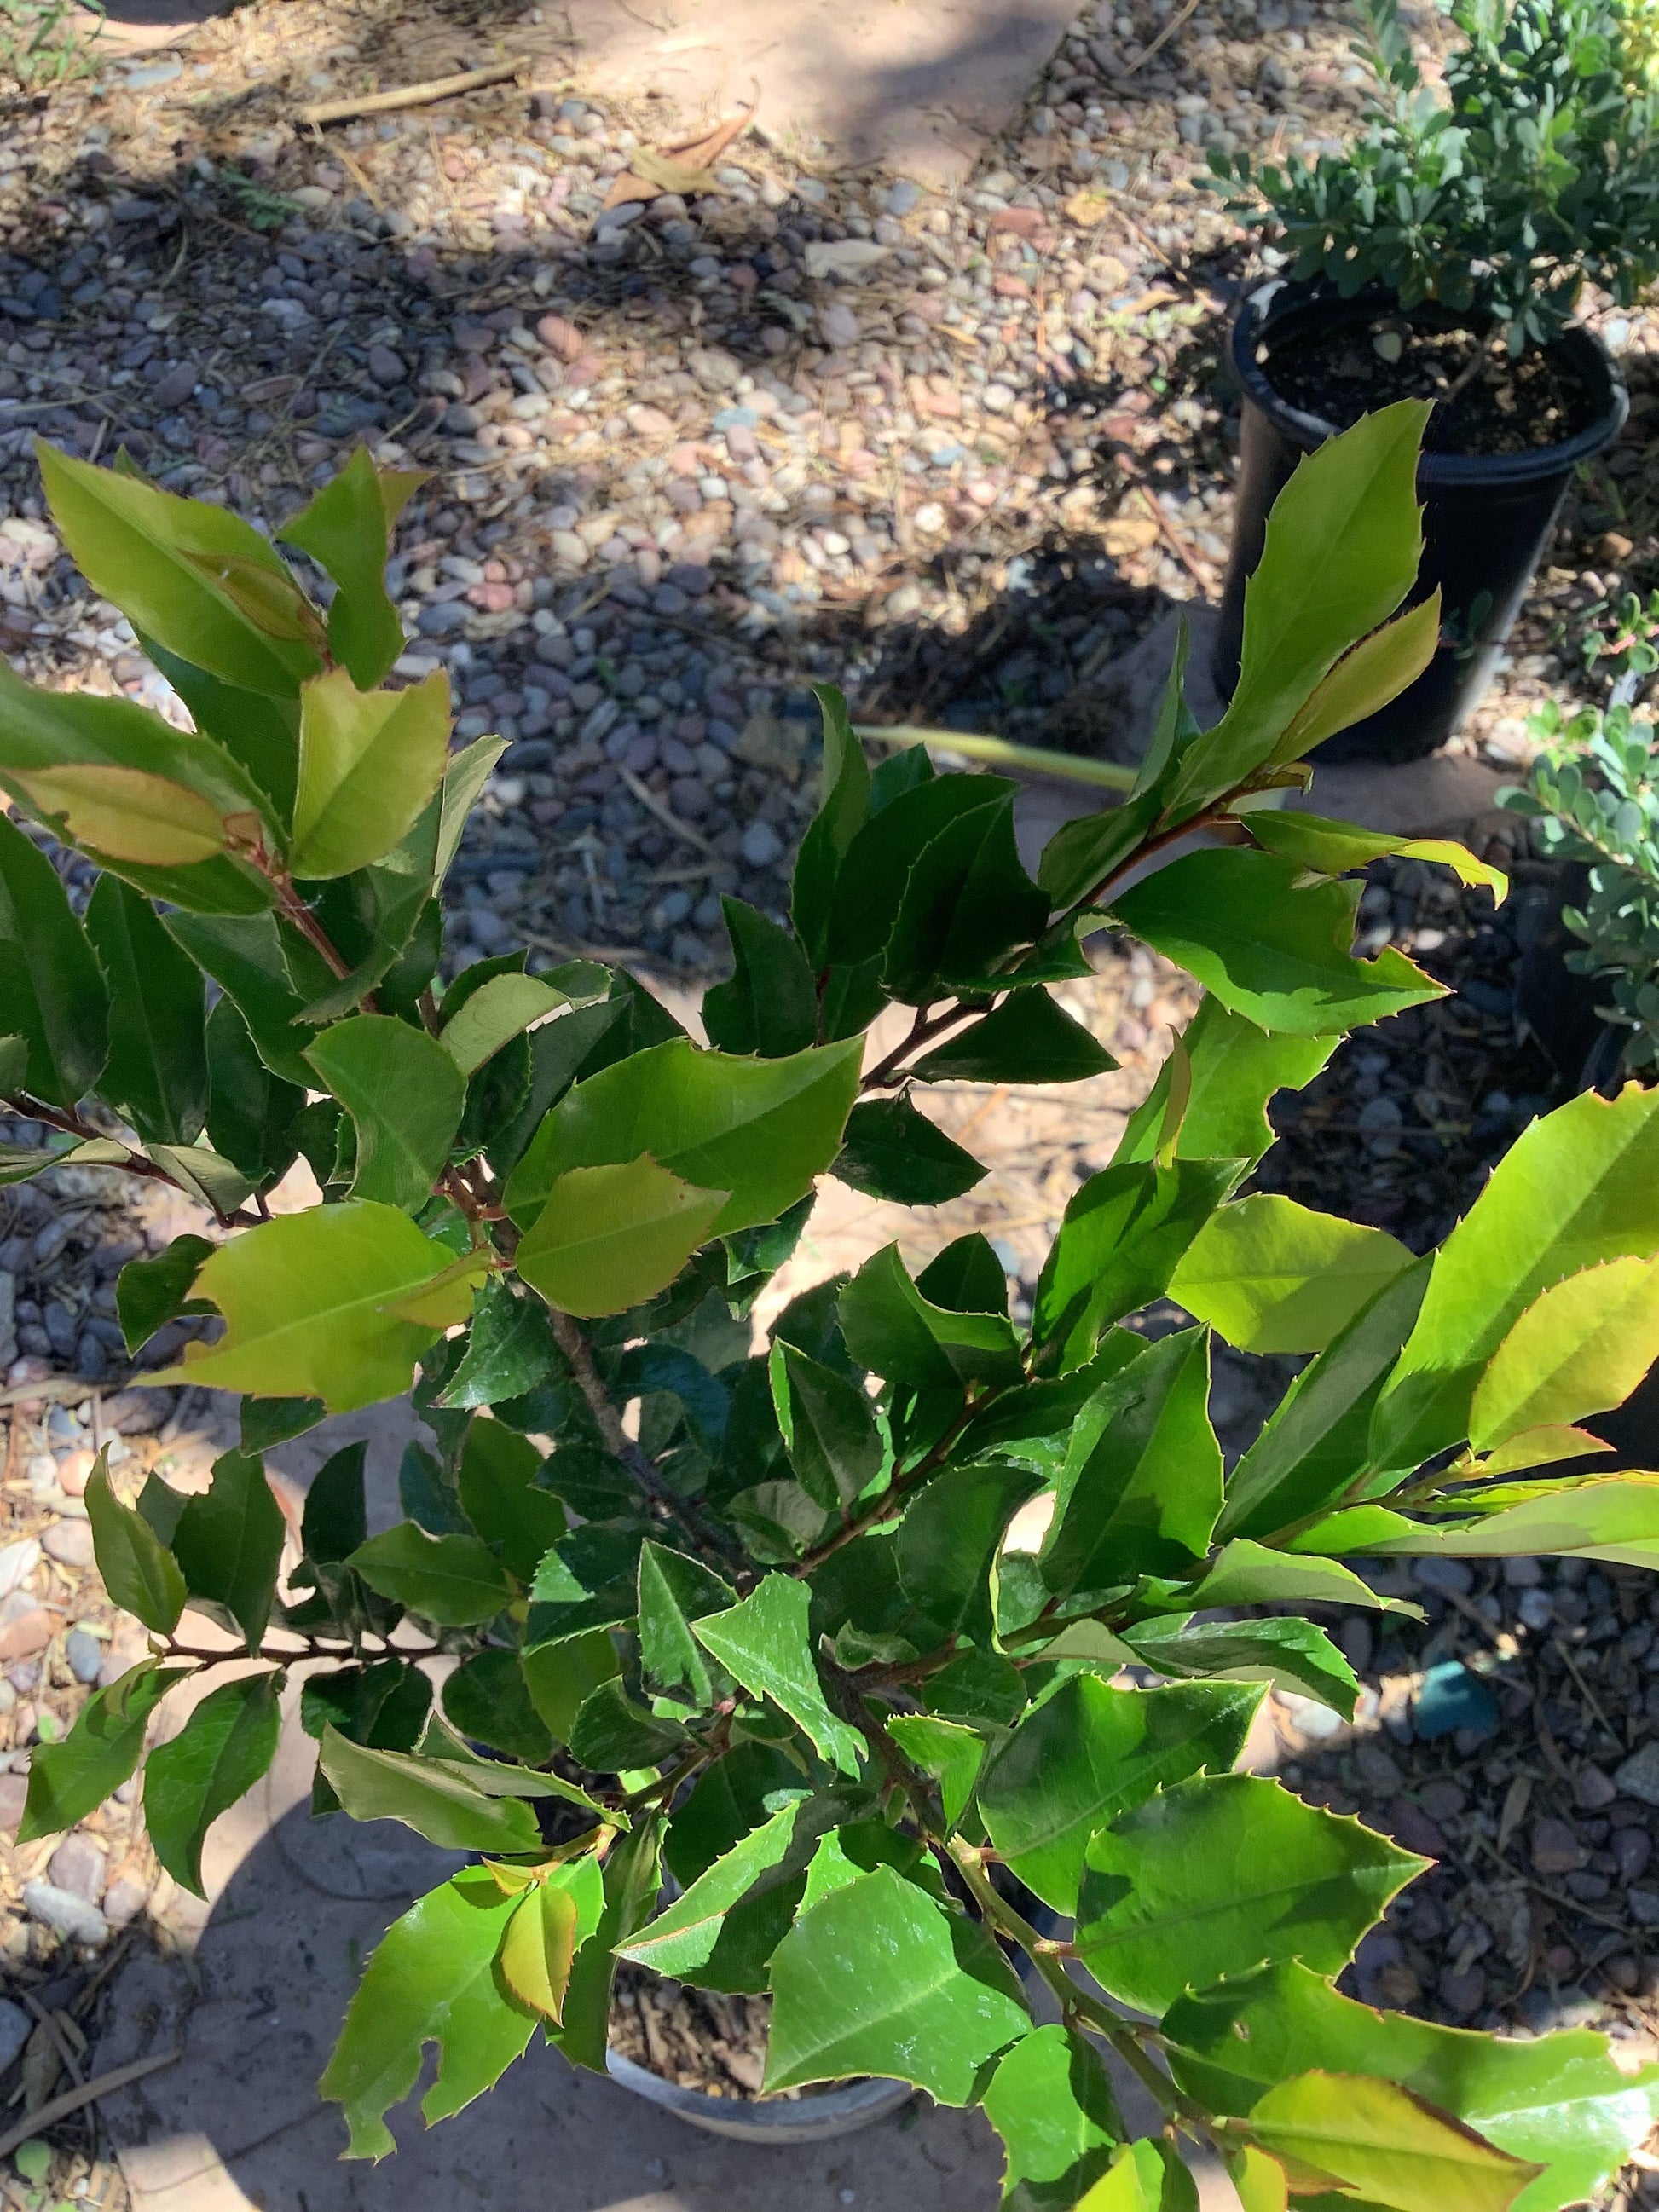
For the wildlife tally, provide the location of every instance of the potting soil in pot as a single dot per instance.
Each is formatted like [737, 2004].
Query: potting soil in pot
[1509, 406]
[699, 2039]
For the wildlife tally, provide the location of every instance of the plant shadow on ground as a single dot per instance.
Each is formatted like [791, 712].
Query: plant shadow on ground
[277, 1961]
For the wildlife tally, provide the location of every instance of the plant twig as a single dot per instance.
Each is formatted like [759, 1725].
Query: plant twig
[1188, 7]
[87, 2093]
[410, 95]
[1035, 760]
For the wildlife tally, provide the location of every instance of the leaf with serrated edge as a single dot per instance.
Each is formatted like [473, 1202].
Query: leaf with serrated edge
[556, 1918]
[404, 1093]
[497, 1012]
[607, 1239]
[453, 1580]
[1052, 2105]
[1373, 2139]
[69, 1780]
[764, 1643]
[1580, 1348]
[224, 1747]
[1270, 1275]
[1221, 1872]
[369, 763]
[307, 1300]
[432, 1978]
[139, 1572]
[438, 1802]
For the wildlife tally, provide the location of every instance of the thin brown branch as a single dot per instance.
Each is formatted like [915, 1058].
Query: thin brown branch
[411, 95]
[923, 1029]
[87, 2093]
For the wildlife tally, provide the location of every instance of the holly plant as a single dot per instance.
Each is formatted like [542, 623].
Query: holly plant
[712, 1654]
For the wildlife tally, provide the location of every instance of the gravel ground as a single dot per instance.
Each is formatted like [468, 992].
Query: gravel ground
[955, 451]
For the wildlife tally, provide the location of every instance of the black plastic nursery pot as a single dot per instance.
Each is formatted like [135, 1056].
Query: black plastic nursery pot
[1486, 520]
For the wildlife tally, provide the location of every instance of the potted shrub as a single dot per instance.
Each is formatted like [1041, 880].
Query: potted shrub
[1442, 256]
[768, 1640]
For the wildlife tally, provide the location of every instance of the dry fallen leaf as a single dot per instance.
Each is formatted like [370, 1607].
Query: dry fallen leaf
[1128, 533]
[683, 168]
[671, 176]
[1088, 209]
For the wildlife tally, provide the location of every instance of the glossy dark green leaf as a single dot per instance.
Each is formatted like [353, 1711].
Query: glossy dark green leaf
[268, 1421]
[489, 1703]
[877, 1979]
[966, 1277]
[269, 971]
[977, 1686]
[138, 1570]
[841, 812]
[1141, 1489]
[1090, 1754]
[559, 1050]
[948, 1539]
[229, 1543]
[891, 1150]
[69, 1780]
[1278, 954]
[500, 1497]
[1293, 1654]
[432, 1979]
[223, 1750]
[453, 1580]
[895, 1332]
[1029, 1038]
[686, 1938]
[769, 1006]
[1122, 1239]
[967, 901]
[1221, 1873]
[614, 1733]
[562, 1672]
[336, 1519]
[951, 1755]
[51, 988]
[251, 1112]
[742, 1787]
[829, 1427]
[510, 1349]
[157, 1069]
[674, 1592]
[260, 734]
[871, 888]
[1050, 2102]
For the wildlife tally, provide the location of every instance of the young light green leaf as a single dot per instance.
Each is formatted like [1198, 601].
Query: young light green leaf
[829, 1427]
[876, 1978]
[1612, 1516]
[69, 1780]
[896, 1332]
[403, 1093]
[51, 989]
[1559, 2101]
[309, 1305]
[1341, 549]
[760, 1129]
[185, 573]
[1277, 953]
[1377, 2140]
[437, 1802]
[1270, 1275]
[465, 777]
[456, 1581]
[157, 1067]
[369, 763]
[953, 1755]
[216, 1183]
[228, 1543]
[1148, 2176]
[1365, 680]
[432, 1978]
[223, 1748]
[1247, 1573]
[1582, 1348]
[891, 1150]
[607, 1239]
[137, 1569]
[1029, 1038]
[1140, 1488]
[764, 1643]
[347, 528]
[556, 1918]
[1050, 2102]
[497, 1012]
[631, 1882]
[1122, 1239]
[1234, 1069]
[1089, 1753]
[1219, 1873]
[1334, 847]
[1578, 1187]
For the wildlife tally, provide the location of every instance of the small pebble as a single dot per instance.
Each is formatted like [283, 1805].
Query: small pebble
[68, 1542]
[85, 1655]
[61, 1909]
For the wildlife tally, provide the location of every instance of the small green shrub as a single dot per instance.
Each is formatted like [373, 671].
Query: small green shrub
[768, 1640]
[1536, 170]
